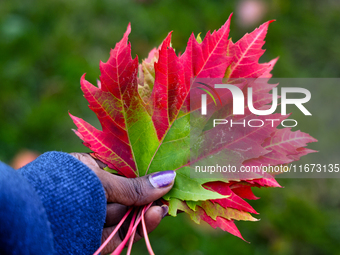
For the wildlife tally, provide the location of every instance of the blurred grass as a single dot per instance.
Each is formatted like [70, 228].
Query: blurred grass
[45, 47]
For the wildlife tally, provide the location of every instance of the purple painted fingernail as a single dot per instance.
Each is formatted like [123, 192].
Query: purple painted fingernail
[162, 179]
[165, 209]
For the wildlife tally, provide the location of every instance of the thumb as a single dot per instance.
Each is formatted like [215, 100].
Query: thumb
[138, 191]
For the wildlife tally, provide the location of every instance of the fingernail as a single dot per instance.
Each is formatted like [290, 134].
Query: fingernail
[165, 209]
[162, 179]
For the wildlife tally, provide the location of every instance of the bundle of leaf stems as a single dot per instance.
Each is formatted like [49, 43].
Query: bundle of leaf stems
[138, 213]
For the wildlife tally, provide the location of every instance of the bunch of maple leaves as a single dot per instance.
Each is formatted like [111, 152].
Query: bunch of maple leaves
[144, 110]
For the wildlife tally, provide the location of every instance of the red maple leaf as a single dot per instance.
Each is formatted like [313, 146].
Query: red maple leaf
[144, 110]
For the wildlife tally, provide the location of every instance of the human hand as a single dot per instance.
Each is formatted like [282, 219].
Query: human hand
[123, 192]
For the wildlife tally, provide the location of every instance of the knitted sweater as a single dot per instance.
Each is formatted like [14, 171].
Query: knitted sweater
[54, 205]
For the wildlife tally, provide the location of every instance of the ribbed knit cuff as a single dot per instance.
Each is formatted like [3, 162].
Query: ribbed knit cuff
[73, 198]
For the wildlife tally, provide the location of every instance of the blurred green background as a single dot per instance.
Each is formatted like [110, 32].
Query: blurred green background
[45, 47]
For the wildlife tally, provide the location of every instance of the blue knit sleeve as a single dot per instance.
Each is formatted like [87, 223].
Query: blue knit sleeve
[73, 198]
[24, 228]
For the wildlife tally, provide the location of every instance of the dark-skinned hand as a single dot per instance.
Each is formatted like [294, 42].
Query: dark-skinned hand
[121, 193]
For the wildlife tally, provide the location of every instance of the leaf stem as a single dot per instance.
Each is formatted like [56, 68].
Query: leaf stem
[146, 237]
[121, 246]
[131, 242]
[138, 219]
[133, 235]
[113, 232]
